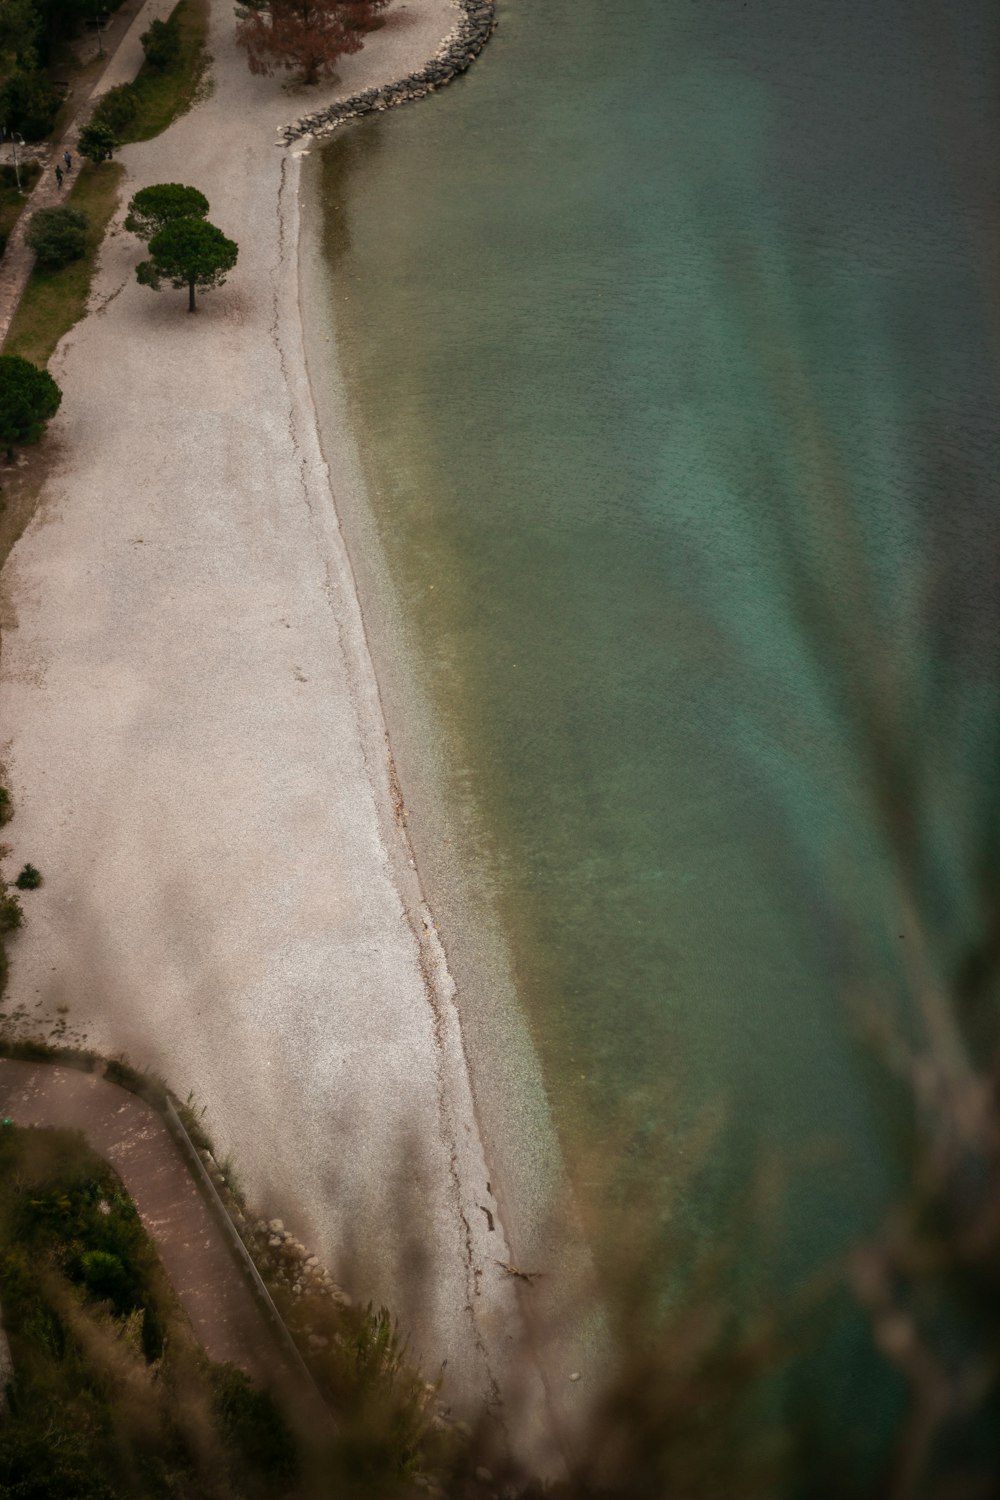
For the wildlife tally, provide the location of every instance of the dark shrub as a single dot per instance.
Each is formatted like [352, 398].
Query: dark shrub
[29, 103]
[11, 915]
[162, 44]
[29, 172]
[97, 142]
[6, 806]
[107, 1279]
[152, 1335]
[28, 398]
[57, 236]
[42, 1460]
[29, 879]
[253, 1423]
[116, 109]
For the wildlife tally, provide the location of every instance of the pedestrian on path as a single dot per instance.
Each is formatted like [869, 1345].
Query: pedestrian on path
[59, 174]
[68, 160]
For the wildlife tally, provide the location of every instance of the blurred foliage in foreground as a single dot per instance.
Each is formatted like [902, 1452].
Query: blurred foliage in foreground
[112, 1398]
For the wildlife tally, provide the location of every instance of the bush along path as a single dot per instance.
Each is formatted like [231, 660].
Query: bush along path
[121, 67]
[226, 1317]
[109, 1396]
[360, 1412]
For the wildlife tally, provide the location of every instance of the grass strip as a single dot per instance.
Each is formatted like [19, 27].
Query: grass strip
[165, 94]
[54, 301]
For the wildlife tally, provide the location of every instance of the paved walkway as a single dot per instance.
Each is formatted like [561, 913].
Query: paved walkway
[226, 1317]
[122, 63]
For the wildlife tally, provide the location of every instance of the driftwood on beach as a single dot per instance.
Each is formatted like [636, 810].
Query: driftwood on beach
[457, 51]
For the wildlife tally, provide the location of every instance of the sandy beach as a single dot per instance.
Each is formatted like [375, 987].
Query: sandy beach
[194, 740]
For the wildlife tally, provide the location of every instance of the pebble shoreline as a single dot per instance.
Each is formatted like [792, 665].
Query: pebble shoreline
[461, 47]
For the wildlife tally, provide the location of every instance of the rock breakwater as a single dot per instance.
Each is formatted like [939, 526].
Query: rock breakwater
[476, 25]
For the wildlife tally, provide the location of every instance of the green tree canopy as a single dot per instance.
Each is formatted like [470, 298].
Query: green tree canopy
[97, 142]
[20, 29]
[188, 252]
[28, 398]
[116, 110]
[153, 208]
[57, 235]
[28, 103]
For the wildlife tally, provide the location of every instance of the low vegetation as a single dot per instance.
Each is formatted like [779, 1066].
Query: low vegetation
[97, 142]
[173, 76]
[167, 85]
[389, 1440]
[693, 1409]
[11, 914]
[161, 44]
[111, 1397]
[54, 300]
[57, 236]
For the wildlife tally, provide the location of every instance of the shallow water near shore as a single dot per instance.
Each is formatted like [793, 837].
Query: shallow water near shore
[671, 355]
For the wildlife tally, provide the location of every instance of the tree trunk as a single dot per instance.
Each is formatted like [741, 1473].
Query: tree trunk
[10, 455]
[190, 296]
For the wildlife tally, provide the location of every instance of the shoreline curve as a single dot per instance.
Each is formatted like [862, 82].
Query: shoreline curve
[187, 616]
[454, 56]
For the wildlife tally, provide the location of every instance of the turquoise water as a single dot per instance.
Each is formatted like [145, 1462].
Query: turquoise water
[670, 335]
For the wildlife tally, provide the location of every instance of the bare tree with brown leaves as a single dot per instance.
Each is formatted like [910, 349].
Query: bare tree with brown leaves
[307, 36]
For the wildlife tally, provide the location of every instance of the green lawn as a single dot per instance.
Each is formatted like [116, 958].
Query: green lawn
[54, 300]
[163, 96]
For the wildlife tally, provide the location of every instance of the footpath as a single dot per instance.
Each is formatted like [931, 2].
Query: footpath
[226, 1317]
[123, 57]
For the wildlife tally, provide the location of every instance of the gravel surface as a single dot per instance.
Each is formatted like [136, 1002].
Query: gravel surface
[194, 741]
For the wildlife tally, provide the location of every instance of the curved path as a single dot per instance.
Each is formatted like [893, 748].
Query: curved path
[194, 741]
[226, 1317]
